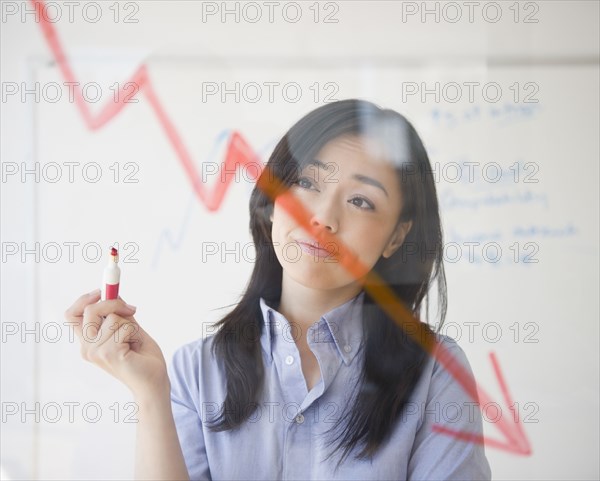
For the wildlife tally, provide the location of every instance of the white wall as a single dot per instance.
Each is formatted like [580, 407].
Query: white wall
[547, 310]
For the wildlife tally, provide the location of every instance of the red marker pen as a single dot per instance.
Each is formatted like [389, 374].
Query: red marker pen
[112, 276]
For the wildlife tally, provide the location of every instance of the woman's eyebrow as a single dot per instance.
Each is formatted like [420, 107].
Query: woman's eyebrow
[361, 178]
[369, 180]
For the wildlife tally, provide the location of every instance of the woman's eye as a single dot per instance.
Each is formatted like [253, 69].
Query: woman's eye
[304, 182]
[362, 203]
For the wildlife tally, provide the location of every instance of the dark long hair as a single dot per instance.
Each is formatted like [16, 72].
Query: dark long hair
[393, 361]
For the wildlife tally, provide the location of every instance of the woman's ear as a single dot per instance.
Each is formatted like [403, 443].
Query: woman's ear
[397, 238]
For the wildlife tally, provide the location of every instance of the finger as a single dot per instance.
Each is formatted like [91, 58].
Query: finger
[74, 314]
[109, 335]
[119, 343]
[130, 333]
[94, 314]
[114, 327]
[128, 305]
[76, 310]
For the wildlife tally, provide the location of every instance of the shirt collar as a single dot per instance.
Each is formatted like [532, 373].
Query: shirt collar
[342, 325]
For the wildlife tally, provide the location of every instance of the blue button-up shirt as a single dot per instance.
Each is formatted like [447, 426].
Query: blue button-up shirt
[285, 436]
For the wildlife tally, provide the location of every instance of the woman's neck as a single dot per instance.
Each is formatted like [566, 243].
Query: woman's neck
[303, 306]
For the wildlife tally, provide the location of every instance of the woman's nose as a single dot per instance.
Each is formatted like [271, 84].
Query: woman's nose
[325, 217]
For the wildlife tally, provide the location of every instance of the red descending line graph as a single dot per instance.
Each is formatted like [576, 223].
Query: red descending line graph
[239, 154]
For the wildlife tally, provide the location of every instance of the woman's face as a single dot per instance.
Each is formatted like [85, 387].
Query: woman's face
[355, 196]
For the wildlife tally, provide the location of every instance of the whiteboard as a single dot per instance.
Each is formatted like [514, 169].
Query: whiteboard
[517, 182]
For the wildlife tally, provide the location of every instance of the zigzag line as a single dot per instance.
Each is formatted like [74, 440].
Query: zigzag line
[238, 152]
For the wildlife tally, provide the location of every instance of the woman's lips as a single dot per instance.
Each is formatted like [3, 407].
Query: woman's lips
[312, 250]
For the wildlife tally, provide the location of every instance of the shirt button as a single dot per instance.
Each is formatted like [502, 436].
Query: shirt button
[347, 348]
[289, 360]
[300, 418]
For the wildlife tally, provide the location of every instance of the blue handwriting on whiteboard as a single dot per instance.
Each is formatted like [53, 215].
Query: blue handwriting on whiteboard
[451, 200]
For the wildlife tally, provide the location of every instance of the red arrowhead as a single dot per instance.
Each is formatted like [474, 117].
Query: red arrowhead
[515, 439]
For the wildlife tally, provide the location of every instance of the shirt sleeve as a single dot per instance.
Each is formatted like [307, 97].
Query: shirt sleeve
[184, 375]
[437, 456]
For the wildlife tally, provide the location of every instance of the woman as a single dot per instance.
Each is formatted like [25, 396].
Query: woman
[308, 377]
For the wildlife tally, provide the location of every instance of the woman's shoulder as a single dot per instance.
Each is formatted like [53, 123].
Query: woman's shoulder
[448, 349]
[448, 344]
[192, 357]
[448, 360]
[196, 377]
[193, 348]
[446, 341]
